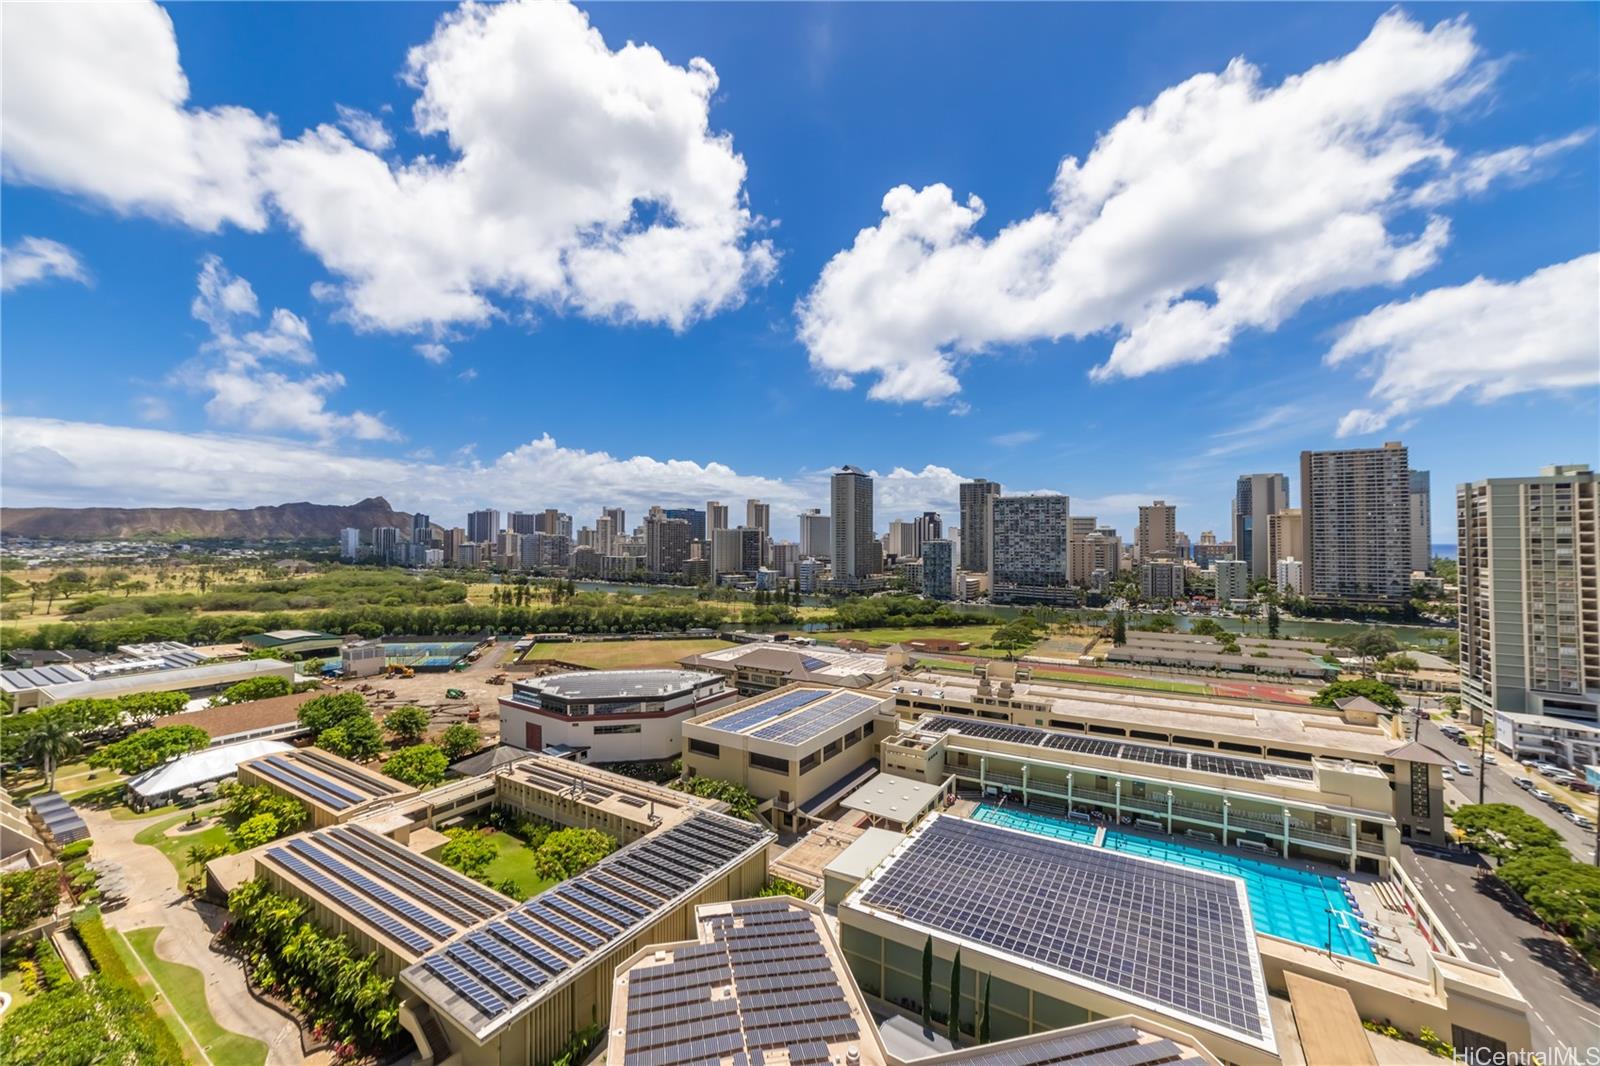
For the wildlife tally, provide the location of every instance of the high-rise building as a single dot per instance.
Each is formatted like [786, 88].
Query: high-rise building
[1421, 521]
[727, 552]
[1233, 580]
[1158, 531]
[758, 515]
[938, 569]
[692, 515]
[421, 529]
[553, 522]
[855, 557]
[454, 538]
[483, 526]
[1290, 576]
[1208, 553]
[1356, 509]
[666, 542]
[1161, 581]
[716, 517]
[619, 521]
[816, 535]
[350, 543]
[605, 535]
[386, 544]
[1285, 535]
[976, 496]
[903, 541]
[1029, 548]
[1256, 498]
[522, 522]
[1528, 567]
[1078, 554]
[783, 555]
[1184, 546]
[809, 574]
[930, 527]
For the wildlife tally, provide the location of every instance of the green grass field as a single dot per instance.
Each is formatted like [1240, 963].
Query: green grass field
[516, 861]
[162, 1005]
[1085, 677]
[185, 990]
[176, 848]
[624, 654]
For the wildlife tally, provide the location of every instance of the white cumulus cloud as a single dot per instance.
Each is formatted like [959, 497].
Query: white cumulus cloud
[93, 101]
[1485, 339]
[1224, 205]
[242, 367]
[38, 259]
[564, 174]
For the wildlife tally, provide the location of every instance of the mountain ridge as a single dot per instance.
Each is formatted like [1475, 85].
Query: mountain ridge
[301, 520]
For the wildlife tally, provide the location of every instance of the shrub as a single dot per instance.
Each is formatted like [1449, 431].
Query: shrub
[782, 886]
[741, 802]
[469, 851]
[27, 895]
[75, 850]
[568, 852]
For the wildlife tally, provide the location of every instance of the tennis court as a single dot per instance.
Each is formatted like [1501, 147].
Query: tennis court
[427, 655]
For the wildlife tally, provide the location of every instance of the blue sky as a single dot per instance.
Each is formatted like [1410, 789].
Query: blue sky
[622, 278]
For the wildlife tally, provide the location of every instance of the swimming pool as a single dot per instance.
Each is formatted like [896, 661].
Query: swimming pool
[1284, 902]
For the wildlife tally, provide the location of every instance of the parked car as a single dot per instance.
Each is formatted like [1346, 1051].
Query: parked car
[1490, 759]
[1524, 783]
[1561, 808]
[1579, 820]
[1463, 769]
[1541, 795]
[1447, 775]
[1581, 786]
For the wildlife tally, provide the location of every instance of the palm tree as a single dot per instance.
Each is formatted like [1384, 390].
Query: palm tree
[49, 743]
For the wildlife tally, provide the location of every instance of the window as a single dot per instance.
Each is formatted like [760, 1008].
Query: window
[608, 730]
[768, 762]
[1421, 806]
[809, 762]
[705, 747]
[832, 749]
[1109, 730]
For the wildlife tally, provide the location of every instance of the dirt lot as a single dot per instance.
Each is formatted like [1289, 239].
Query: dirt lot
[623, 654]
[427, 690]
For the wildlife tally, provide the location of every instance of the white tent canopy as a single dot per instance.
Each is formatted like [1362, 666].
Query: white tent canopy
[209, 764]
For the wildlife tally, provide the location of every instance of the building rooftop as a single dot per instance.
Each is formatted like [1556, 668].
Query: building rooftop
[617, 684]
[1162, 938]
[894, 799]
[1253, 723]
[792, 715]
[207, 676]
[275, 637]
[197, 768]
[485, 976]
[321, 779]
[798, 663]
[276, 713]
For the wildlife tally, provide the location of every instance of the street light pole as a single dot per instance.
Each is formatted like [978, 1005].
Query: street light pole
[1483, 751]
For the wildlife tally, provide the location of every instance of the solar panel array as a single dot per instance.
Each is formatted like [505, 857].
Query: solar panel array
[318, 777]
[1173, 937]
[1110, 1045]
[1205, 762]
[491, 971]
[744, 720]
[817, 718]
[416, 903]
[784, 994]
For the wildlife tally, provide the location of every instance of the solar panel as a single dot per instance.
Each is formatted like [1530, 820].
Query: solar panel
[1226, 765]
[548, 963]
[314, 779]
[385, 922]
[327, 799]
[405, 868]
[395, 903]
[591, 912]
[545, 935]
[1174, 937]
[399, 880]
[765, 711]
[487, 901]
[590, 887]
[796, 729]
[464, 985]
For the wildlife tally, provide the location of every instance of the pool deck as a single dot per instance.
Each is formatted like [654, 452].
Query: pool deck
[1402, 947]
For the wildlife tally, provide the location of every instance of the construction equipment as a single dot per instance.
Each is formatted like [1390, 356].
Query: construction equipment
[497, 679]
[454, 694]
[401, 671]
[472, 715]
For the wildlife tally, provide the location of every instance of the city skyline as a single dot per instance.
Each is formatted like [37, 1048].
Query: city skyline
[236, 353]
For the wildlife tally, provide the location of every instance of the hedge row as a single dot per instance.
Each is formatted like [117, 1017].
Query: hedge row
[96, 940]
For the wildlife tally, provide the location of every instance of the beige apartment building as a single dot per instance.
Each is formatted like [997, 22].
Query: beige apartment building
[1158, 530]
[1529, 610]
[1356, 513]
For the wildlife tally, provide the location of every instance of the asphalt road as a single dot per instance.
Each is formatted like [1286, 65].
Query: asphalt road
[1495, 929]
[1499, 787]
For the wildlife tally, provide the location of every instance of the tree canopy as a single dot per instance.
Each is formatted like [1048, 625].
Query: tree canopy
[458, 740]
[406, 724]
[256, 688]
[150, 747]
[741, 802]
[328, 710]
[356, 737]
[1376, 691]
[421, 765]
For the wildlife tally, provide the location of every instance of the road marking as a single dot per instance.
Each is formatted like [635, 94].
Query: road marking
[1506, 955]
[1449, 888]
[1586, 1008]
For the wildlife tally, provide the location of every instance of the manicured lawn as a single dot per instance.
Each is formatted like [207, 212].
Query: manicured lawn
[624, 654]
[163, 1007]
[176, 848]
[516, 861]
[11, 981]
[73, 781]
[185, 990]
